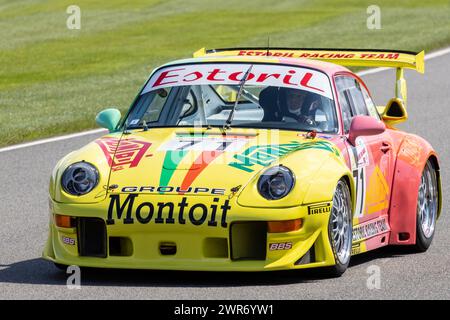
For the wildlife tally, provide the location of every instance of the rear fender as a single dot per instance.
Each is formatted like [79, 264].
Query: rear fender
[411, 159]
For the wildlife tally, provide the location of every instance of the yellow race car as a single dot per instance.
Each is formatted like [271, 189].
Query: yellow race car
[248, 160]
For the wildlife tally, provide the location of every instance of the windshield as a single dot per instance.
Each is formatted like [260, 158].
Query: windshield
[273, 97]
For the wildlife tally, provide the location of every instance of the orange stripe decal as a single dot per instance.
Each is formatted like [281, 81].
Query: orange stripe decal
[203, 160]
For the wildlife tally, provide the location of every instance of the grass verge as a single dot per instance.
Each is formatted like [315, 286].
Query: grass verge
[54, 80]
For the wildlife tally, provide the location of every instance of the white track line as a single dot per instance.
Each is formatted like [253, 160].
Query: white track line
[53, 139]
[79, 134]
[437, 53]
[371, 71]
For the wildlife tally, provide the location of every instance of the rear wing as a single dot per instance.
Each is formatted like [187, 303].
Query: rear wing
[345, 57]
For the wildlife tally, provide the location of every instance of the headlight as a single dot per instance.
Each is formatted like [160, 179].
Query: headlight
[79, 178]
[276, 182]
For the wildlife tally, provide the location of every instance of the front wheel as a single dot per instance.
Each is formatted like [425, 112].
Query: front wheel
[427, 208]
[340, 229]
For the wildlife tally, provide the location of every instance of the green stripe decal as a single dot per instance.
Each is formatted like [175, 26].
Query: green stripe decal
[264, 155]
[171, 162]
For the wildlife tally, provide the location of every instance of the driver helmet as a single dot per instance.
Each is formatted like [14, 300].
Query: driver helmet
[295, 99]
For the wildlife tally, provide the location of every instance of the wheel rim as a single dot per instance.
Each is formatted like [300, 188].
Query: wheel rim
[427, 201]
[340, 224]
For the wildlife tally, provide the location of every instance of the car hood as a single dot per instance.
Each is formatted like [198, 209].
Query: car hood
[202, 161]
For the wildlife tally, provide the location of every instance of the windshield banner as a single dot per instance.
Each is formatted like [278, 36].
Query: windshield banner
[260, 75]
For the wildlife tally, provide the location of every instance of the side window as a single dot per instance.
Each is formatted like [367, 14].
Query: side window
[359, 105]
[154, 99]
[351, 99]
[370, 105]
[344, 101]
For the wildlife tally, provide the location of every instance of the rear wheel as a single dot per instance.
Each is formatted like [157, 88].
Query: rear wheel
[427, 208]
[340, 229]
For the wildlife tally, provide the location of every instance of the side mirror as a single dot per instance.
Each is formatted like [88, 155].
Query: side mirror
[364, 126]
[108, 118]
[395, 112]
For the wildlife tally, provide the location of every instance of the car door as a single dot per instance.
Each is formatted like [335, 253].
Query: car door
[370, 159]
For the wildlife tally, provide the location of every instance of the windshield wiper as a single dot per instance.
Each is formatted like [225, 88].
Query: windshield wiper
[241, 86]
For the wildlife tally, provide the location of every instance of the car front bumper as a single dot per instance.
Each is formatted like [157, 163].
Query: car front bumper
[240, 242]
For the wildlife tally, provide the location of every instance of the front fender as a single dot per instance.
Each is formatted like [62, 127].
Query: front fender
[323, 184]
[55, 174]
[316, 175]
[91, 153]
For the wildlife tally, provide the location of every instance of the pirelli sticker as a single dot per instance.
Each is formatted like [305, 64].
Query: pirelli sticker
[319, 208]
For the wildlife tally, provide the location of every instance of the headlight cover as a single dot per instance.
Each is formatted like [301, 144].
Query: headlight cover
[276, 182]
[79, 178]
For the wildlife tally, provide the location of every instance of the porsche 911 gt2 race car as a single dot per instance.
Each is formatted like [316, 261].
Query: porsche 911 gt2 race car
[248, 160]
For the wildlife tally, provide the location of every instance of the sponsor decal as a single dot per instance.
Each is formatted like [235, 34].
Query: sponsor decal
[359, 176]
[201, 143]
[321, 55]
[171, 161]
[267, 53]
[68, 240]
[359, 155]
[280, 246]
[264, 155]
[263, 75]
[182, 212]
[125, 153]
[411, 150]
[359, 160]
[356, 249]
[319, 208]
[369, 229]
[198, 166]
[210, 147]
[362, 155]
[170, 189]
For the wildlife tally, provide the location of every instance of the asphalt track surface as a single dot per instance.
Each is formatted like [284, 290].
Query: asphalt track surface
[24, 214]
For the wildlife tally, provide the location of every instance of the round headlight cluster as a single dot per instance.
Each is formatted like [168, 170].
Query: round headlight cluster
[79, 178]
[276, 182]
